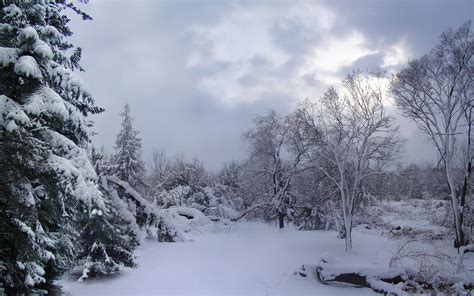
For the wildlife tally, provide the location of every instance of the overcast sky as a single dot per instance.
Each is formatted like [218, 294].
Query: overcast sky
[196, 72]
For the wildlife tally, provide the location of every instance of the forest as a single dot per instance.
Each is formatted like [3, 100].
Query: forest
[322, 190]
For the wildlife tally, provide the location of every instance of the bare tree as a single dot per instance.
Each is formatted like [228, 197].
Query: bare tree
[229, 174]
[437, 93]
[353, 137]
[276, 148]
[159, 164]
[182, 171]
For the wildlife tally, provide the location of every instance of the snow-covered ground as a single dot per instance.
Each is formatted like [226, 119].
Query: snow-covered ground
[246, 259]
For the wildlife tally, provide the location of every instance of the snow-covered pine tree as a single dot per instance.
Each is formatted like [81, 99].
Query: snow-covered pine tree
[108, 238]
[127, 170]
[127, 160]
[46, 173]
[107, 245]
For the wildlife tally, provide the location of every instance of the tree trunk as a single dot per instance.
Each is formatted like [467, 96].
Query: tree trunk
[347, 216]
[456, 203]
[348, 230]
[281, 221]
[460, 239]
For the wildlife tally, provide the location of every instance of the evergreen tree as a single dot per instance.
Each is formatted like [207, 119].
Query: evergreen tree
[128, 170]
[106, 245]
[128, 164]
[47, 176]
[108, 238]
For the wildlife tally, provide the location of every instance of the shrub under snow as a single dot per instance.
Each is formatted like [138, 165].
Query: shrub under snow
[176, 224]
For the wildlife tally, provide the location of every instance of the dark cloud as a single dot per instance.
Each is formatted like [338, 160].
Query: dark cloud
[259, 61]
[419, 22]
[294, 36]
[248, 80]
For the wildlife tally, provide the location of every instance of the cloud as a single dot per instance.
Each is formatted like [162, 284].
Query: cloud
[290, 49]
[195, 74]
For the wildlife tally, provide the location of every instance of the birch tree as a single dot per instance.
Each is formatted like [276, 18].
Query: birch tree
[436, 91]
[352, 136]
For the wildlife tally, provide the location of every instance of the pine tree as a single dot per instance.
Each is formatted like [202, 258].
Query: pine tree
[128, 164]
[107, 246]
[47, 176]
[127, 168]
[108, 238]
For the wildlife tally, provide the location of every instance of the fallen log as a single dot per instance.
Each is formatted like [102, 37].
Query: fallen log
[393, 282]
[386, 280]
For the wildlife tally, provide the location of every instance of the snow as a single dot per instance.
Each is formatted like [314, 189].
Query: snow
[8, 106]
[392, 289]
[182, 223]
[46, 100]
[27, 66]
[28, 34]
[73, 163]
[25, 228]
[19, 116]
[50, 32]
[413, 218]
[66, 78]
[34, 274]
[122, 207]
[12, 11]
[8, 56]
[96, 212]
[42, 49]
[11, 114]
[249, 259]
[12, 126]
[414, 213]
[128, 189]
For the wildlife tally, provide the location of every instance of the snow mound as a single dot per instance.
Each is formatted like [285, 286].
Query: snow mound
[178, 224]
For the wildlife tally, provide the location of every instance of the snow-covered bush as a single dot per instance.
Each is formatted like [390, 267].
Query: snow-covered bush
[408, 219]
[314, 218]
[179, 182]
[222, 202]
[175, 223]
[426, 256]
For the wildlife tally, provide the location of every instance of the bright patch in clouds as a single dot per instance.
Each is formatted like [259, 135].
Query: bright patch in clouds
[336, 52]
[339, 51]
[396, 55]
[242, 62]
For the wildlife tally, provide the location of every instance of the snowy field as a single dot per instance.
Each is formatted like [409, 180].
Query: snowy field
[246, 259]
